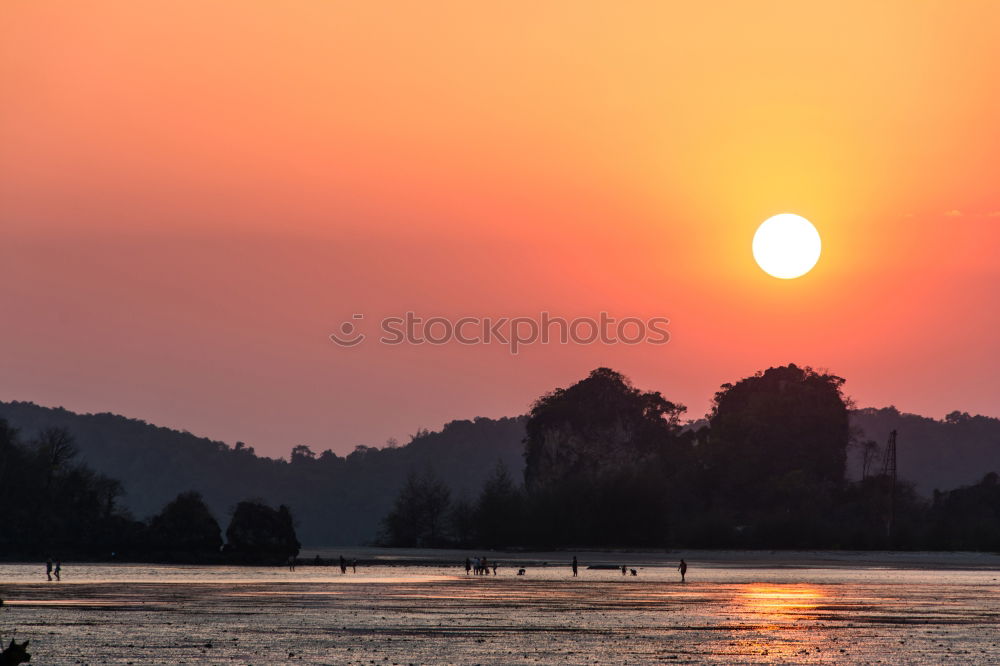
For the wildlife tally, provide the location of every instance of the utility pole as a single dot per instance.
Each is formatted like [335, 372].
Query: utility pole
[889, 474]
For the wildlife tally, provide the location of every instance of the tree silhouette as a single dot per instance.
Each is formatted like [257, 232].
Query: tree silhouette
[186, 529]
[258, 532]
[418, 515]
[302, 454]
[499, 511]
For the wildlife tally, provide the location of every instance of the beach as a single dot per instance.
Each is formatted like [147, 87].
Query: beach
[809, 608]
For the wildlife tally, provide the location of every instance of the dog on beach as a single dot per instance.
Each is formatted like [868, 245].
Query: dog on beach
[15, 654]
[520, 572]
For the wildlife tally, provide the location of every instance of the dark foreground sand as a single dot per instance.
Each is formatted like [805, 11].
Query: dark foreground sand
[417, 615]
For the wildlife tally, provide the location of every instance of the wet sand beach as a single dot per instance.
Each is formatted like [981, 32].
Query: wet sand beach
[806, 610]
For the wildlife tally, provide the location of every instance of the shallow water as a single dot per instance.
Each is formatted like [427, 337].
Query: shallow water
[802, 610]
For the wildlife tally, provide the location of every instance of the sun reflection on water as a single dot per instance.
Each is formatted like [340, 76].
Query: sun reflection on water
[781, 598]
[770, 618]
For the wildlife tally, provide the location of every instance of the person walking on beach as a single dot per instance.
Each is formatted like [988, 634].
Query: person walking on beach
[494, 567]
[468, 566]
[575, 567]
[354, 566]
[48, 568]
[623, 569]
[58, 570]
[683, 568]
[343, 565]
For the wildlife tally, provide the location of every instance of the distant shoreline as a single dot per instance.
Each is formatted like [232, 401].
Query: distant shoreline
[715, 558]
[369, 556]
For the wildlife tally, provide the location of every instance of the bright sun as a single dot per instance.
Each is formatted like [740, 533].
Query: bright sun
[786, 246]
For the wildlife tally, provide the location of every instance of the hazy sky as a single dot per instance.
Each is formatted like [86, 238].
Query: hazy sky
[193, 195]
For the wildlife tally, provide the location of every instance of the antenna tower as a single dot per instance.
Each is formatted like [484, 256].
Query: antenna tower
[889, 474]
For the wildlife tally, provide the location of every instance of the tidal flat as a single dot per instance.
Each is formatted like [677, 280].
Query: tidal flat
[408, 607]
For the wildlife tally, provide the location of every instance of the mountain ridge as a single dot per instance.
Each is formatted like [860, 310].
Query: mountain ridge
[340, 500]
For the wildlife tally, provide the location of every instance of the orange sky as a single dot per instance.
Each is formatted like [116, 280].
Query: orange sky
[194, 194]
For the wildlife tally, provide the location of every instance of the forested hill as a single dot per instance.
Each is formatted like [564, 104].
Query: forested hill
[955, 451]
[335, 499]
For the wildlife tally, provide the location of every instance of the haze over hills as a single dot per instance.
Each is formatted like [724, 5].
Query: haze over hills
[341, 499]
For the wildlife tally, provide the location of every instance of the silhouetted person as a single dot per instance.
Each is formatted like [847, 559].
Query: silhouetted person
[57, 570]
[48, 568]
[354, 566]
[575, 567]
[343, 565]
[468, 566]
[683, 568]
[623, 569]
[494, 568]
[291, 563]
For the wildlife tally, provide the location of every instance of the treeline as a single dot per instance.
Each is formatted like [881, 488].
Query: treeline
[340, 499]
[609, 465]
[53, 506]
[625, 471]
[336, 499]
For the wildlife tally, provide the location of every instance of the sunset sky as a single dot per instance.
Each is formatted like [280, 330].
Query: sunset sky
[194, 195]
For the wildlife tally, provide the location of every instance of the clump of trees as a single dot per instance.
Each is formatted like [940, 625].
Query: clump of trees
[50, 502]
[611, 465]
[53, 506]
[418, 516]
[499, 513]
[774, 458]
[604, 464]
[185, 530]
[967, 518]
[258, 532]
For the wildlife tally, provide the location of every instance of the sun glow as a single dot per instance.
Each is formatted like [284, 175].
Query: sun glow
[782, 598]
[786, 246]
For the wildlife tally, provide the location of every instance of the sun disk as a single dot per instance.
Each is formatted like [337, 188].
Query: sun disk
[786, 246]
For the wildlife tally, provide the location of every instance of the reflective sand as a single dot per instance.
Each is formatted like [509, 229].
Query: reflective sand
[808, 609]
